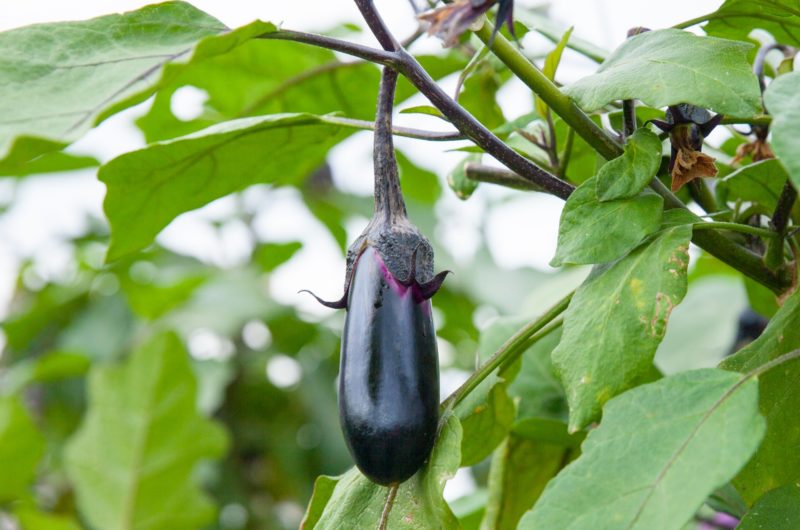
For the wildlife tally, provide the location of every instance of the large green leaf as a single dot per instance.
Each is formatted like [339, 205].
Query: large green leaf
[654, 67]
[661, 449]
[536, 387]
[777, 461]
[62, 78]
[521, 468]
[21, 447]
[148, 188]
[591, 231]
[779, 509]
[628, 175]
[132, 460]
[616, 320]
[782, 99]
[760, 183]
[263, 76]
[352, 501]
[737, 18]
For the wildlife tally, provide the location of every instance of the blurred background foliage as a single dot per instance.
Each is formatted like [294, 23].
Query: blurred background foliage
[266, 371]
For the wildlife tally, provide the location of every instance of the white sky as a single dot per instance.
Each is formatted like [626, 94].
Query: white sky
[47, 209]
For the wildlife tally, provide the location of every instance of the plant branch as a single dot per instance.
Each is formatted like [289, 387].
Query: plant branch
[499, 176]
[735, 227]
[377, 25]
[780, 219]
[628, 118]
[483, 137]
[559, 102]
[763, 119]
[725, 250]
[407, 132]
[356, 50]
[511, 350]
[719, 246]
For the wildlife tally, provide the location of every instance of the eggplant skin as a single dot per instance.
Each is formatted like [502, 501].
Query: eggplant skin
[389, 374]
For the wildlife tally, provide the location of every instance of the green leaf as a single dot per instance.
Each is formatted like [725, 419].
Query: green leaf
[156, 299]
[355, 502]
[520, 470]
[536, 387]
[31, 162]
[777, 461]
[737, 18]
[654, 67]
[591, 231]
[547, 430]
[51, 366]
[265, 76]
[418, 184]
[148, 188]
[551, 63]
[21, 447]
[479, 95]
[628, 175]
[760, 183]
[63, 78]
[260, 77]
[782, 99]
[458, 181]
[660, 451]
[616, 320]
[30, 519]
[426, 110]
[131, 461]
[272, 255]
[486, 415]
[778, 509]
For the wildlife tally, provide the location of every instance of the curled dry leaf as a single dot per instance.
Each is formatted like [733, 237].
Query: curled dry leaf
[451, 20]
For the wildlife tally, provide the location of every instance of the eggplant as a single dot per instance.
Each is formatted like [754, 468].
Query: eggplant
[389, 371]
[389, 375]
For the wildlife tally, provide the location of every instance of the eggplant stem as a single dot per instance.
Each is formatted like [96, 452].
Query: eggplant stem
[387, 508]
[388, 197]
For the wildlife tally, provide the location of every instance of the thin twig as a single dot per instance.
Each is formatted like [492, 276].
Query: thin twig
[357, 50]
[510, 350]
[783, 209]
[499, 176]
[377, 25]
[735, 227]
[408, 132]
[483, 137]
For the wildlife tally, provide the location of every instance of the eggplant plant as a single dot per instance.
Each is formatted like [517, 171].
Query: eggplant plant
[647, 380]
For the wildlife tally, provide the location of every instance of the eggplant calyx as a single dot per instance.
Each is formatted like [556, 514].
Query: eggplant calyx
[428, 289]
[336, 304]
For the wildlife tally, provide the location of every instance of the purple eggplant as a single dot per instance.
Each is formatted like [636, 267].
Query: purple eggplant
[389, 376]
[389, 371]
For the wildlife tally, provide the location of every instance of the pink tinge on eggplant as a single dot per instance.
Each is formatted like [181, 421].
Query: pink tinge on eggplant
[420, 291]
